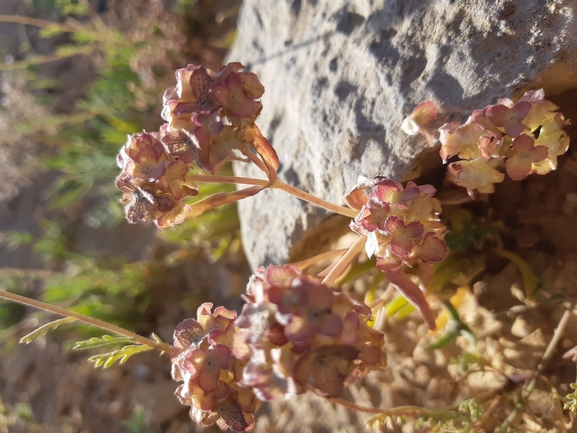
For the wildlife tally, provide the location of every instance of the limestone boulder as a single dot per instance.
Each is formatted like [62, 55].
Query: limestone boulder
[340, 77]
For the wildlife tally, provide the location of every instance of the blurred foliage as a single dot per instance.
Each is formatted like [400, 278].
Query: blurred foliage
[130, 64]
[18, 418]
[139, 422]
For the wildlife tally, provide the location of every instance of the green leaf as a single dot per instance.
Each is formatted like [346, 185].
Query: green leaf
[105, 340]
[396, 305]
[377, 421]
[44, 329]
[106, 360]
[530, 281]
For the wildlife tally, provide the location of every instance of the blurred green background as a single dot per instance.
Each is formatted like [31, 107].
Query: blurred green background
[75, 78]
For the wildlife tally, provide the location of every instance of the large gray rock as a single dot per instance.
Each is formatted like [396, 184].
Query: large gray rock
[340, 76]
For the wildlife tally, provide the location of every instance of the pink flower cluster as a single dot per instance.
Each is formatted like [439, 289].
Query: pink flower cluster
[153, 182]
[401, 224]
[210, 120]
[297, 333]
[528, 136]
[294, 334]
[204, 362]
[196, 110]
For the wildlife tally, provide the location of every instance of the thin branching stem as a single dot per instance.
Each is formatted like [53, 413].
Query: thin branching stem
[28, 21]
[344, 261]
[278, 184]
[397, 411]
[258, 162]
[542, 364]
[163, 347]
[303, 264]
[229, 179]
[38, 60]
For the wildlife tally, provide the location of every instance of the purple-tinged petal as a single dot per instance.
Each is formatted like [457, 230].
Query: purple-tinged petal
[217, 357]
[509, 118]
[282, 275]
[351, 326]
[524, 155]
[232, 96]
[402, 240]
[387, 191]
[431, 249]
[480, 118]
[298, 329]
[331, 325]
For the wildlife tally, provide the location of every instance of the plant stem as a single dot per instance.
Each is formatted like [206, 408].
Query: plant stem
[16, 19]
[303, 264]
[544, 361]
[278, 184]
[397, 411]
[258, 162]
[229, 179]
[344, 261]
[24, 272]
[45, 59]
[163, 347]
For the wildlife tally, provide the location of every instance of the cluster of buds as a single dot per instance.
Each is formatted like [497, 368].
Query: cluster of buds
[210, 120]
[204, 362]
[402, 227]
[298, 334]
[528, 136]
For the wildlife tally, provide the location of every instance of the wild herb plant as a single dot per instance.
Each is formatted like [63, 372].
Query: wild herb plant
[296, 333]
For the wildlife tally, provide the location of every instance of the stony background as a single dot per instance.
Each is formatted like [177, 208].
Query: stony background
[340, 76]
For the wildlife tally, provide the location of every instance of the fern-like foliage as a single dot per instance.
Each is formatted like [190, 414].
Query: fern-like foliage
[461, 420]
[572, 403]
[377, 422]
[45, 329]
[121, 355]
[106, 360]
[105, 340]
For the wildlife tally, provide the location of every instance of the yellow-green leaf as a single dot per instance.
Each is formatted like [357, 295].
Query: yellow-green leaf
[44, 329]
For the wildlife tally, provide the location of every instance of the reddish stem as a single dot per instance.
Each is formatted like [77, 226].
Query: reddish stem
[413, 294]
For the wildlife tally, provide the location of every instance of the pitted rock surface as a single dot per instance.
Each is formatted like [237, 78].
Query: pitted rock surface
[340, 76]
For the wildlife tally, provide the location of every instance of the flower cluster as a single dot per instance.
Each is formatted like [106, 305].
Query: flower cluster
[210, 373]
[153, 182]
[527, 135]
[215, 111]
[401, 224]
[296, 333]
[210, 120]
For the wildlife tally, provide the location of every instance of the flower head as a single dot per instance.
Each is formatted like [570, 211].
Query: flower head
[509, 118]
[475, 175]
[292, 332]
[422, 115]
[396, 219]
[204, 362]
[523, 155]
[509, 132]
